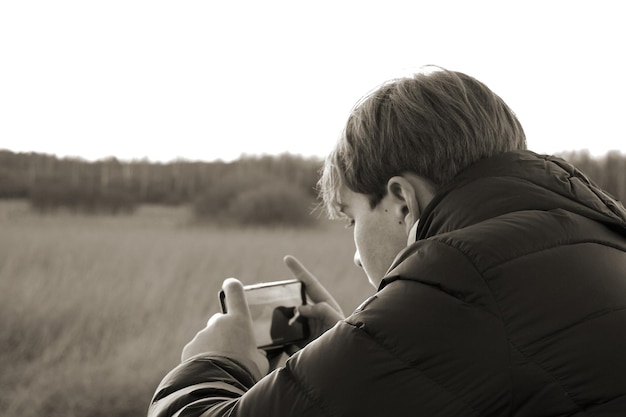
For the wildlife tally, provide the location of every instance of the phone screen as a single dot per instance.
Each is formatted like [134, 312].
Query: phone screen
[273, 309]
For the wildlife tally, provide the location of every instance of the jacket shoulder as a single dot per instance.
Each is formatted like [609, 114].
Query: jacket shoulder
[493, 242]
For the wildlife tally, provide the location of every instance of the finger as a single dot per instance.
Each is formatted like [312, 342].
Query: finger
[321, 311]
[314, 289]
[235, 297]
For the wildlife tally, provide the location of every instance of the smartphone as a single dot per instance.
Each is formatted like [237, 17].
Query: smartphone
[273, 310]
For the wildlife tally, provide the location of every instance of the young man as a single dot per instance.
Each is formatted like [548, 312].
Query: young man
[509, 299]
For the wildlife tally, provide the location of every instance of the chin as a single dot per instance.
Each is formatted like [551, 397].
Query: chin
[375, 282]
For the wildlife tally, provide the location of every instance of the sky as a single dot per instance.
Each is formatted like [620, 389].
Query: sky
[208, 80]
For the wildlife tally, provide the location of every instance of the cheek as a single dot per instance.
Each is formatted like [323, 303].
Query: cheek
[361, 239]
[377, 247]
[369, 244]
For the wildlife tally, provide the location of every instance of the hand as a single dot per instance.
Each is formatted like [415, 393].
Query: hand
[325, 313]
[230, 334]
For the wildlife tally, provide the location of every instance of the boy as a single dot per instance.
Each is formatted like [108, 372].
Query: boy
[500, 275]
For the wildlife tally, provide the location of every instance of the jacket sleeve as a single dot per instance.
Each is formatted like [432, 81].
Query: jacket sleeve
[211, 385]
[200, 384]
[361, 367]
[417, 348]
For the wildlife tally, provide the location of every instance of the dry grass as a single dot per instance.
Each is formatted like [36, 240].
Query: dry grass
[95, 310]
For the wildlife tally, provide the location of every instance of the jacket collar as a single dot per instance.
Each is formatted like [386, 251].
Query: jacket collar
[517, 181]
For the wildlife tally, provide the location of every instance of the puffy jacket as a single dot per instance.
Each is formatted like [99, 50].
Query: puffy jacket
[512, 302]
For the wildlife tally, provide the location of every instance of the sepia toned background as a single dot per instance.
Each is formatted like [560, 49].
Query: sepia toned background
[108, 268]
[149, 150]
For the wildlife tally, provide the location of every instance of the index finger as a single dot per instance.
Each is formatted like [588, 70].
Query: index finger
[314, 289]
[235, 297]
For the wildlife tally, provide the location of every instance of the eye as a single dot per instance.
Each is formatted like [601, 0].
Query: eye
[349, 223]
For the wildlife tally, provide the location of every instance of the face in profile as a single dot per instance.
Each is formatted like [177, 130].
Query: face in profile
[378, 233]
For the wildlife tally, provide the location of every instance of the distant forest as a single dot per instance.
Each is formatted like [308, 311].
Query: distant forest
[251, 190]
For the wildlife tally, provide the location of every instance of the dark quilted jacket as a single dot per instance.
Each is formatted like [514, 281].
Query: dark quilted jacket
[512, 302]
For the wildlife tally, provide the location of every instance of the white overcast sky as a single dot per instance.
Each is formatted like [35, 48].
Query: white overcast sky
[206, 80]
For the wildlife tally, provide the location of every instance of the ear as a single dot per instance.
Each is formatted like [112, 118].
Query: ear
[403, 197]
[410, 194]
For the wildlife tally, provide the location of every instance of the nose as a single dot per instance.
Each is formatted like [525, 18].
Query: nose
[357, 259]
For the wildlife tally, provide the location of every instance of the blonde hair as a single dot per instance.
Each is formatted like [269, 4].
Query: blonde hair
[434, 124]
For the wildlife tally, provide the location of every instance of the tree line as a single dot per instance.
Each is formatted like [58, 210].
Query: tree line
[265, 189]
[250, 190]
[608, 171]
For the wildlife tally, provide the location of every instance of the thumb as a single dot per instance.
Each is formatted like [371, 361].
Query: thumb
[235, 297]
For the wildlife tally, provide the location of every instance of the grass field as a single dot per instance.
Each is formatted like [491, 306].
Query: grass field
[95, 310]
